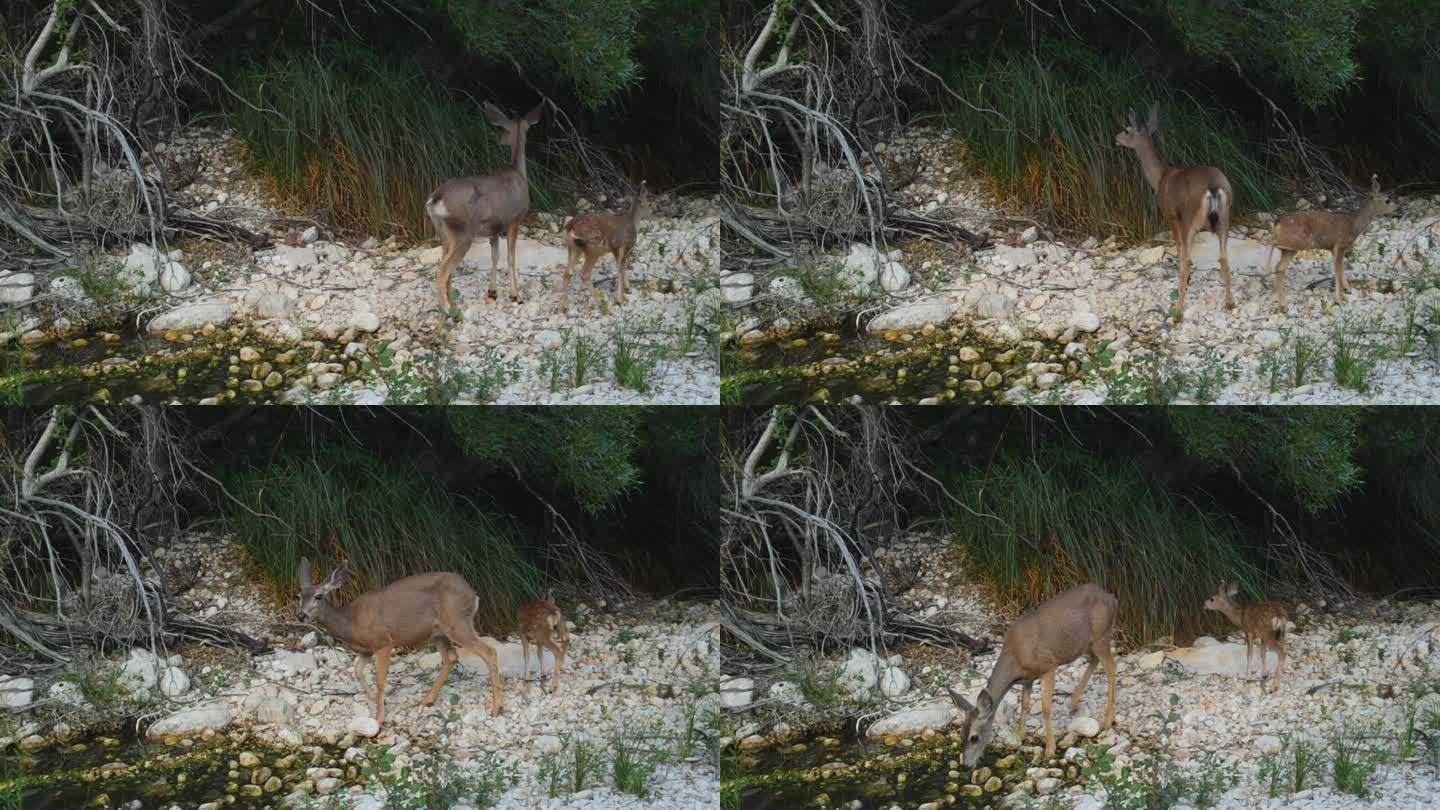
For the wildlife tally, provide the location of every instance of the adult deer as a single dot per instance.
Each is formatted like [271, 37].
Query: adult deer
[1334, 231]
[595, 234]
[1193, 199]
[1074, 623]
[466, 208]
[438, 607]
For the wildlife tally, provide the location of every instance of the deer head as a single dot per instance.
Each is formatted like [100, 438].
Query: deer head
[1135, 135]
[512, 129]
[1377, 205]
[1224, 598]
[558, 631]
[977, 726]
[313, 604]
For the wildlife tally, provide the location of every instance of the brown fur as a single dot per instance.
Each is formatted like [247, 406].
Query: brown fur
[543, 625]
[1263, 624]
[1193, 199]
[466, 208]
[438, 607]
[595, 234]
[1334, 231]
[1074, 623]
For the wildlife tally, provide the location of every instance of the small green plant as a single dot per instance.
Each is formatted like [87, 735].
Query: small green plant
[1158, 782]
[634, 363]
[1213, 375]
[1347, 634]
[1306, 357]
[1354, 361]
[1271, 771]
[584, 764]
[586, 358]
[102, 690]
[1352, 767]
[821, 686]
[440, 376]
[551, 773]
[1407, 744]
[632, 769]
[554, 366]
[1272, 370]
[1306, 761]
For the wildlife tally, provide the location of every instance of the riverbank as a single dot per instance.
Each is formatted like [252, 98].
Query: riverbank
[1104, 305]
[1357, 715]
[634, 705]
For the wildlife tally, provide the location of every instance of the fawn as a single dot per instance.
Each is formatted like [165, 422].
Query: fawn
[1262, 622]
[542, 625]
[466, 208]
[595, 234]
[1193, 199]
[1334, 231]
[438, 607]
[1076, 622]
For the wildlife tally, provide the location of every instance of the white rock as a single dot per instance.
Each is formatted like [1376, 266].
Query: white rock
[548, 339]
[141, 269]
[548, 744]
[67, 693]
[191, 316]
[894, 277]
[293, 663]
[737, 693]
[861, 672]
[1268, 339]
[912, 316]
[365, 321]
[935, 715]
[174, 277]
[787, 693]
[1085, 726]
[140, 673]
[737, 288]
[1151, 256]
[363, 726]
[294, 257]
[1152, 660]
[213, 716]
[1031, 234]
[894, 682]
[1084, 321]
[174, 682]
[16, 288]
[1268, 744]
[1011, 257]
[16, 693]
[994, 305]
[862, 266]
[310, 640]
[1221, 659]
[311, 235]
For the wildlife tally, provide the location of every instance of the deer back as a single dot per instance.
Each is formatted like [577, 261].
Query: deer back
[411, 611]
[1263, 619]
[1057, 632]
[483, 203]
[1182, 190]
[1312, 230]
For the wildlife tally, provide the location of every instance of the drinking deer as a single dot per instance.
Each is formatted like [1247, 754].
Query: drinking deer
[1076, 622]
[543, 625]
[595, 234]
[438, 607]
[1334, 231]
[466, 208]
[1262, 622]
[1193, 199]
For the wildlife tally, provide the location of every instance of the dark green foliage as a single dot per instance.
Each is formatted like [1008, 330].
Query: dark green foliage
[386, 519]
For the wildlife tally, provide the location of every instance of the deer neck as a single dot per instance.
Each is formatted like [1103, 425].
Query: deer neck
[1002, 677]
[1362, 218]
[517, 154]
[1235, 612]
[1150, 164]
[339, 622]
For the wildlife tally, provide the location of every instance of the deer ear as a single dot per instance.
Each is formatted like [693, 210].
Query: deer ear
[338, 577]
[534, 115]
[1134, 122]
[302, 573]
[1233, 589]
[1154, 124]
[1374, 184]
[984, 703]
[496, 116]
[962, 703]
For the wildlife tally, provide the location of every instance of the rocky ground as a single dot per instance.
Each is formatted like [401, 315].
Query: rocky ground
[1085, 294]
[636, 674]
[316, 285]
[1350, 677]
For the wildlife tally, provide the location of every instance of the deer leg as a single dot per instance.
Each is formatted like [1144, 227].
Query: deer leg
[1279, 665]
[1247, 655]
[622, 259]
[586, 273]
[1339, 275]
[1182, 244]
[513, 234]
[451, 260]
[1286, 257]
[1047, 703]
[382, 670]
[524, 658]
[1107, 655]
[1222, 233]
[1024, 707]
[555, 668]
[494, 265]
[360, 662]
[447, 660]
[1084, 682]
[565, 285]
[472, 644]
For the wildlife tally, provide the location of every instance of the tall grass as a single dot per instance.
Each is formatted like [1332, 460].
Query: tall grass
[389, 521]
[363, 142]
[1054, 153]
[1044, 529]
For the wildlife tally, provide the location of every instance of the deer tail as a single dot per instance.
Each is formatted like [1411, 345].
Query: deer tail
[1215, 202]
[1277, 623]
[436, 206]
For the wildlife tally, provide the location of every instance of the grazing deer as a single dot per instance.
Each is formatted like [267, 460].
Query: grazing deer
[437, 607]
[1334, 231]
[542, 625]
[466, 208]
[1262, 622]
[1193, 199]
[1080, 621]
[596, 234]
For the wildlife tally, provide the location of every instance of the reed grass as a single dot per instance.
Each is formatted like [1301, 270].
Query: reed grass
[388, 520]
[1054, 153]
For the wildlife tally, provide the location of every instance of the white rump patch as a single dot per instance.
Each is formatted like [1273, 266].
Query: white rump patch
[439, 209]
